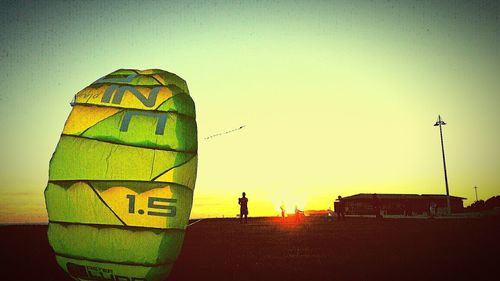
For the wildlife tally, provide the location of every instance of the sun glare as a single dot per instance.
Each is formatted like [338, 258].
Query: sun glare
[289, 201]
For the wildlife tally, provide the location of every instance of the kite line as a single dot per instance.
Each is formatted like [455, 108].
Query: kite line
[194, 222]
[225, 133]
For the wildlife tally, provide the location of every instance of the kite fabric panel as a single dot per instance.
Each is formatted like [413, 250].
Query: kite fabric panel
[122, 177]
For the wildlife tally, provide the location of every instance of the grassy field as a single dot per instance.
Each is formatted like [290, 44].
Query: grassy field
[314, 249]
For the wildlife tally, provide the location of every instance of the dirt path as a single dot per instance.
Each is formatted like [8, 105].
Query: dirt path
[265, 249]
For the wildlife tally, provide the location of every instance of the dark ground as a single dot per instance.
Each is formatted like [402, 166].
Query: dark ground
[264, 249]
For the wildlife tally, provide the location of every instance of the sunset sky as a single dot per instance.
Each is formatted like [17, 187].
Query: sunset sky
[338, 97]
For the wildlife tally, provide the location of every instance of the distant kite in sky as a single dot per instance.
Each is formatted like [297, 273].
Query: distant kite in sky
[121, 179]
[224, 133]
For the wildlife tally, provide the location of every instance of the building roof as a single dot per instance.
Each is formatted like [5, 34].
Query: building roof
[400, 196]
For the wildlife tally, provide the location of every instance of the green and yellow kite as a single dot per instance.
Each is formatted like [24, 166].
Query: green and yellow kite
[121, 179]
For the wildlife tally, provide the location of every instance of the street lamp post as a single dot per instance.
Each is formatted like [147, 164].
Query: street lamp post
[475, 188]
[441, 123]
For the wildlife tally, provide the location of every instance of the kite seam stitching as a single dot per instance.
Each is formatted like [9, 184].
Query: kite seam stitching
[127, 227]
[154, 158]
[173, 96]
[155, 182]
[160, 83]
[140, 109]
[124, 144]
[114, 262]
[166, 171]
[133, 85]
[105, 204]
[98, 122]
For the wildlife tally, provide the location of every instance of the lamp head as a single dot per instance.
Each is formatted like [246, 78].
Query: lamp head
[439, 122]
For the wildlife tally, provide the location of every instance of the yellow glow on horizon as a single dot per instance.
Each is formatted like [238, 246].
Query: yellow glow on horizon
[22, 207]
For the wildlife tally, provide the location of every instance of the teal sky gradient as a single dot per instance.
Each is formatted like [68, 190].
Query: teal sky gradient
[339, 97]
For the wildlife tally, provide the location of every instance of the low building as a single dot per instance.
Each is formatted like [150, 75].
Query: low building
[400, 204]
[316, 213]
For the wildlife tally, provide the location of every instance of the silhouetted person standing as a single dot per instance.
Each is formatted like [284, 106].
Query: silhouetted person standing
[282, 207]
[432, 210]
[297, 214]
[339, 208]
[243, 201]
[407, 207]
[376, 206]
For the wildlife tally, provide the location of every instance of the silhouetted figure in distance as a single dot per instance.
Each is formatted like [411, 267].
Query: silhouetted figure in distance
[407, 206]
[329, 214]
[282, 207]
[339, 208]
[376, 206]
[432, 210]
[243, 201]
[297, 214]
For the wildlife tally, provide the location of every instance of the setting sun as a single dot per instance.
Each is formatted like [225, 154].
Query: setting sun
[290, 201]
